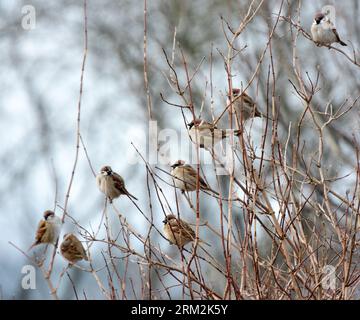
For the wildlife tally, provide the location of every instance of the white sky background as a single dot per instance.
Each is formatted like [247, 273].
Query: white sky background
[51, 56]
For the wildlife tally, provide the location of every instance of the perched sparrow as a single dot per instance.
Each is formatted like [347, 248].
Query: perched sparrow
[48, 229]
[178, 231]
[207, 134]
[112, 184]
[72, 249]
[185, 177]
[323, 31]
[243, 106]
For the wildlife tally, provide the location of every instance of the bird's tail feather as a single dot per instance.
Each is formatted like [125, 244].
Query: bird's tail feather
[130, 195]
[343, 43]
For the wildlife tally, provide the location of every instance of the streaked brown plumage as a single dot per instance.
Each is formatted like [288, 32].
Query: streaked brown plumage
[48, 229]
[72, 249]
[178, 231]
[243, 106]
[206, 135]
[185, 177]
[111, 184]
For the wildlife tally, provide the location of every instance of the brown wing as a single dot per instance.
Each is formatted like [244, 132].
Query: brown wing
[187, 231]
[192, 172]
[78, 250]
[182, 230]
[247, 99]
[203, 184]
[73, 248]
[336, 35]
[257, 113]
[119, 182]
[41, 229]
[338, 38]
[249, 102]
[64, 246]
[174, 226]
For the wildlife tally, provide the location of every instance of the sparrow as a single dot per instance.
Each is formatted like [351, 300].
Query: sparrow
[243, 106]
[48, 229]
[207, 133]
[323, 31]
[178, 231]
[72, 249]
[111, 184]
[185, 177]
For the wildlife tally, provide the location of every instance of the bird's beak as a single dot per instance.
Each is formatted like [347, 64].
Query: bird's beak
[164, 221]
